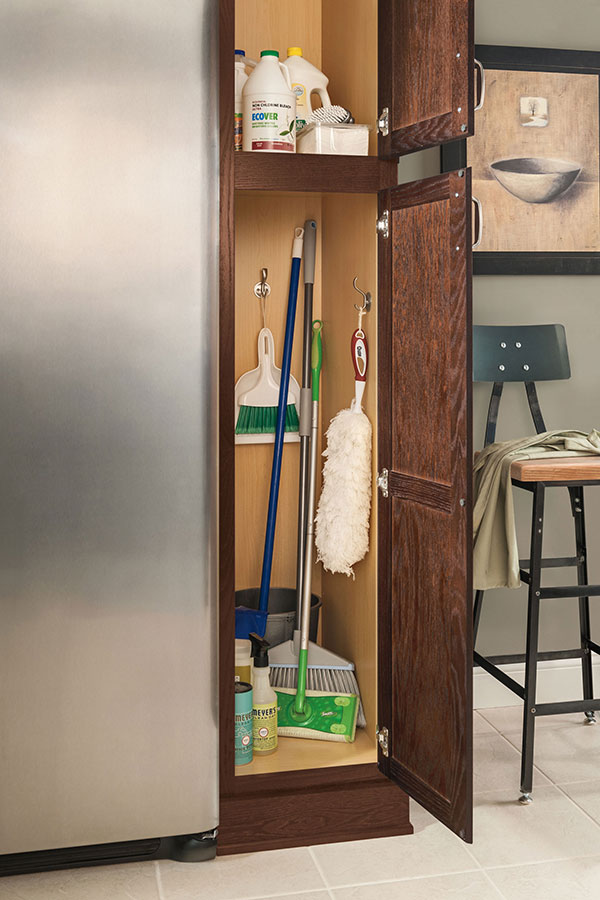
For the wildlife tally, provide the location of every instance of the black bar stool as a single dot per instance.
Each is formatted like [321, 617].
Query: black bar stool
[530, 353]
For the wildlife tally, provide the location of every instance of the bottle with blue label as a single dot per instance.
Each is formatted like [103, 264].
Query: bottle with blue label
[240, 79]
[243, 723]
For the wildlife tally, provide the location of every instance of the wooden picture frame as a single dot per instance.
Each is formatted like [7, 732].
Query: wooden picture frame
[508, 218]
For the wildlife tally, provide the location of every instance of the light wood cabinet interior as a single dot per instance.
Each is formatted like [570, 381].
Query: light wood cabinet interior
[347, 247]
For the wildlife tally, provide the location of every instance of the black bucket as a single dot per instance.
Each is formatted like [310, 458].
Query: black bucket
[281, 619]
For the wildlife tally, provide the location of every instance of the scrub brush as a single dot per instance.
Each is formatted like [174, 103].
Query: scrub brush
[331, 115]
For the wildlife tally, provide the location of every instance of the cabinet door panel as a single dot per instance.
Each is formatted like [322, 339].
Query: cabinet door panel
[425, 523]
[425, 72]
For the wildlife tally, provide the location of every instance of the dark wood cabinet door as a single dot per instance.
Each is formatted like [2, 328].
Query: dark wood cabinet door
[426, 79]
[425, 521]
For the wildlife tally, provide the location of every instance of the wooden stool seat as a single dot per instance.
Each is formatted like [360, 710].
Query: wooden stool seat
[570, 468]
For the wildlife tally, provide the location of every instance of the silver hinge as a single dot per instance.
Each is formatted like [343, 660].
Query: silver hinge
[383, 224]
[382, 482]
[382, 738]
[383, 122]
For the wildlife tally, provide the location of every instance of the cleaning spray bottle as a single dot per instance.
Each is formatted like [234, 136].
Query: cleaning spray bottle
[240, 79]
[264, 700]
[269, 107]
[306, 79]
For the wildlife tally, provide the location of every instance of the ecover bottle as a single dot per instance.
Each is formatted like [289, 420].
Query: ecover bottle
[269, 107]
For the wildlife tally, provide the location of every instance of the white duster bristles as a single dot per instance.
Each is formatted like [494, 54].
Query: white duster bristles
[342, 522]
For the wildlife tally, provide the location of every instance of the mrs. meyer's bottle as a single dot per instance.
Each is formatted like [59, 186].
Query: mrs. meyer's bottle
[269, 107]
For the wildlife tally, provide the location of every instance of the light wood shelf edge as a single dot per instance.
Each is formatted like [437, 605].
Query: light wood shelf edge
[294, 754]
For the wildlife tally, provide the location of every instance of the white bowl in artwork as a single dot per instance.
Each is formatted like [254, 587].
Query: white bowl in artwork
[533, 179]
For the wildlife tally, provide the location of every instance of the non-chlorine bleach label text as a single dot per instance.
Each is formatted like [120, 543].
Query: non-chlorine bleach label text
[272, 125]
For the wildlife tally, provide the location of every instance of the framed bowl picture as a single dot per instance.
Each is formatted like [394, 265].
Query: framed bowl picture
[536, 161]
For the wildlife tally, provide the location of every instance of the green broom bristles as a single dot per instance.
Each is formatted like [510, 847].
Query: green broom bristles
[263, 419]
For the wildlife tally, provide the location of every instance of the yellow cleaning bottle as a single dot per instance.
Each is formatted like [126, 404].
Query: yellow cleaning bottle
[264, 701]
[306, 80]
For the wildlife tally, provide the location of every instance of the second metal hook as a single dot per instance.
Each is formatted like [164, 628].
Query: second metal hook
[367, 301]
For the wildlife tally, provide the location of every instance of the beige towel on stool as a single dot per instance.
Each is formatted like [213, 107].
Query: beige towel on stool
[495, 551]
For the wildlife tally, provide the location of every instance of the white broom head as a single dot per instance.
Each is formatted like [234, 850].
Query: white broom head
[342, 521]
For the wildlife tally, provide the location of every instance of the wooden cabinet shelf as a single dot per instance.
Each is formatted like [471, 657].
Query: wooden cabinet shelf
[313, 172]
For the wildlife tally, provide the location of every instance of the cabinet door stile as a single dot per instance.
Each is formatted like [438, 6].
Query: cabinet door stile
[425, 522]
[426, 79]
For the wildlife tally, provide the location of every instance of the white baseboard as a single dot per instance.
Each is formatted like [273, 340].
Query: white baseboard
[558, 680]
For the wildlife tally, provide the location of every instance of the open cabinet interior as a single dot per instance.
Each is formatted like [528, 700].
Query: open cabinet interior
[337, 36]
[346, 248]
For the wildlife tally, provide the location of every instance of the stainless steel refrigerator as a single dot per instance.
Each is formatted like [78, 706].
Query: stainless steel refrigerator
[108, 273]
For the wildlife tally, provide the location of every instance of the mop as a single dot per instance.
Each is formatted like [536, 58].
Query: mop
[326, 670]
[318, 715]
[342, 523]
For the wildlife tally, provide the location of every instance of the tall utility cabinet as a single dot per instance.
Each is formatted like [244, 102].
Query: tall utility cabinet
[405, 619]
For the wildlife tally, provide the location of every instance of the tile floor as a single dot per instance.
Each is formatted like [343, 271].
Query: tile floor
[549, 850]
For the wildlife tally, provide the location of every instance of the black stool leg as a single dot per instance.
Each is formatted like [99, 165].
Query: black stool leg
[531, 650]
[584, 603]
[477, 614]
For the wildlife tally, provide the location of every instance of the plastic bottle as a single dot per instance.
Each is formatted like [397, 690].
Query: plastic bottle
[305, 79]
[269, 107]
[243, 660]
[240, 77]
[264, 701]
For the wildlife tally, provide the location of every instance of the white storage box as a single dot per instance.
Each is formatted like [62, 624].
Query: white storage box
[344, 140]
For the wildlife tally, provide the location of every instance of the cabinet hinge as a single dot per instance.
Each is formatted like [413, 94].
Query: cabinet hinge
[383, 122]
[382, 482]
[383, 224]
[382, 739]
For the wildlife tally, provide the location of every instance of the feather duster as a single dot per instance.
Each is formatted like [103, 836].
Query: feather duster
[342, 522]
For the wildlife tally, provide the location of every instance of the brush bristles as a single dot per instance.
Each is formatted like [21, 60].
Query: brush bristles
[263, 419]
[333, 681]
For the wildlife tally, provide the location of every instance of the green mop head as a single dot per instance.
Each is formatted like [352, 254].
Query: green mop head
[263, 419]
[325, 717]
[327, 673]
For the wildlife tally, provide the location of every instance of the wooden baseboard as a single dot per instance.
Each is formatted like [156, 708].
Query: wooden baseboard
[367, 808]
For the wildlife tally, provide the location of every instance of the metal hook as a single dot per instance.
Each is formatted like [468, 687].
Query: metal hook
[262, 289]
[367, 301]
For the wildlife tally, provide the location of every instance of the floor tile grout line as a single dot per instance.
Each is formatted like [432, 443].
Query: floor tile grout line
[536, 765]
[577, 805]
[542, 862]
[158, 879]
[517, 751]
[319, 869]
[290, 894]
[506, 790]
[358, 884]
[493, 884]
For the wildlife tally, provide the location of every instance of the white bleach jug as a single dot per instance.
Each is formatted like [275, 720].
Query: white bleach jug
[269, 107]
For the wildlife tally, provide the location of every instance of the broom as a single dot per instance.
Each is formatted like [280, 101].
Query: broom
[319, 715]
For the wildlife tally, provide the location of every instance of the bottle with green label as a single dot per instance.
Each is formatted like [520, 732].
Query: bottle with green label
[264, 700]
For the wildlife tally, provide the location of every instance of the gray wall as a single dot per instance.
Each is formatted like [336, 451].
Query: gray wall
[572, 300]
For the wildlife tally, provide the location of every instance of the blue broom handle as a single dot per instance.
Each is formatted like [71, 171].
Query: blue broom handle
[265, 582]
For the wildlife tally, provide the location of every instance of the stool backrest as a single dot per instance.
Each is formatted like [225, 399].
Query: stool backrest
[526, 353]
